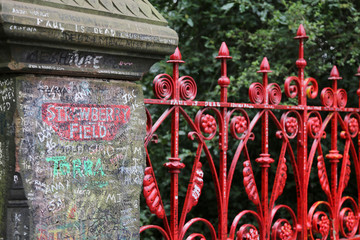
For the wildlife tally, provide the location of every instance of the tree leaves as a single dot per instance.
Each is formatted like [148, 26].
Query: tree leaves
[227, 6]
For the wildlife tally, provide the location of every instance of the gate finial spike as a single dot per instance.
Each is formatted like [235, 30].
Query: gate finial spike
[264, 66]
[334, 75]
[358, 72]
[224, 52]
[176, 57]
[301, 32]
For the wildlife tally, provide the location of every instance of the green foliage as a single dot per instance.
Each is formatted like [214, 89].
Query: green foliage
[253, 30]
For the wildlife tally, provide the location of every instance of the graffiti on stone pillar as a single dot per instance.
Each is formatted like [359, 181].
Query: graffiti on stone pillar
[81, 157]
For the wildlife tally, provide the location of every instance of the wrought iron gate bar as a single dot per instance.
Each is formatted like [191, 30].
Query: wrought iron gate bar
[246, 105]
[334, 217]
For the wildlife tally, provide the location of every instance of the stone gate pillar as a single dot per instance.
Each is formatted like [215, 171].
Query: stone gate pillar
[72, 119]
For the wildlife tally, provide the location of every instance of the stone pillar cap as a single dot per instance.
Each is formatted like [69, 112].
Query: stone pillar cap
[117, 39]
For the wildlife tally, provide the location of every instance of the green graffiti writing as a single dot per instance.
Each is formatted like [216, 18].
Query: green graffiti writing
[79, 168]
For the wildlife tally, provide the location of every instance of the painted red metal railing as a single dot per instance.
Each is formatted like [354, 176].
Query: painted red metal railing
[300, 130]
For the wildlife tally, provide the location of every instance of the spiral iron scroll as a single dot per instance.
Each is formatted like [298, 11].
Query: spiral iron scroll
[274, 92]
[292, 90]
[314, 125]
[328, 97]
[256, 93]
[188, 88]
[163, 86]
[282, 229]
[349, 217]
[319, 220]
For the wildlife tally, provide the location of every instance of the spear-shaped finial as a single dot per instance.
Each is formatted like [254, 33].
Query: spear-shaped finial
[301, 62]
[176, 57]
[223, 52]
[265, 69]
[301, 33]
[223, 81]
[334, 74]
[264, 66]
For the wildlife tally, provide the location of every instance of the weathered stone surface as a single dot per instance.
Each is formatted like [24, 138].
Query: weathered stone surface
[80, 152]
[114, 39]
[7, 144]
[17, 219]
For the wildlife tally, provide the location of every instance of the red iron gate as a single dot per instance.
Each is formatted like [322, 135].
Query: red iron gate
[300, 130]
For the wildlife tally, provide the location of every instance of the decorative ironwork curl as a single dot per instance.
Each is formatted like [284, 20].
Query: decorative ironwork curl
[352, 124]
[311, 90]
[193, 236]
[291, 91]
[163, 86]
[244, 229]
[347, 171]
[327, 97]
[256, 93]
[341, 96]
[349, 218]
[188, 88]
[274, 92]
[324, 182]
[247, 232]
[161, 230]
[291, 124]
[148, 122]
[194, 220]
[280, 179]
[282, 229]
[314, 125]
[197, 184]
[249, 183]
[239, 124]
[152, 195]
[206, 123]
[320, 223]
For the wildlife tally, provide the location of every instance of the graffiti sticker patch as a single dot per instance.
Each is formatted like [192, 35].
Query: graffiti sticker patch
[85, 121]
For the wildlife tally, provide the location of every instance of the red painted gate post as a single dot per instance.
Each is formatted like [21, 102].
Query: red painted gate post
[302, 143]
[174, 163]
[224, 82]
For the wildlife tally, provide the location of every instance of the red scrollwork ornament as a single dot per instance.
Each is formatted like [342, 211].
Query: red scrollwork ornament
[256, 93]
[240, 124]
[248, 232]
[286, 232]
[291, 125]
[314, 125]
[324, 225]
[197, 184]
[324, 182]
[208, 124]
[249, 183]
[152, 194]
